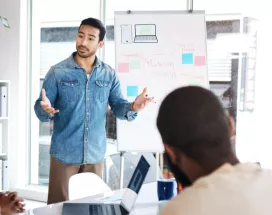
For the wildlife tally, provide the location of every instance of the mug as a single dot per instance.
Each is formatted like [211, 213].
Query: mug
[167, 188]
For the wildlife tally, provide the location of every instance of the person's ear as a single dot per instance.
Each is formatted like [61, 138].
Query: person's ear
[101, 44]
[171, 153]
[231, 126]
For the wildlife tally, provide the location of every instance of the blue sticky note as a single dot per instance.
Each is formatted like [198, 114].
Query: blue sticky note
[132, 91]
[187, 58]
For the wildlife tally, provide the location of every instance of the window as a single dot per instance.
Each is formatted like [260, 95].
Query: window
[53, 40]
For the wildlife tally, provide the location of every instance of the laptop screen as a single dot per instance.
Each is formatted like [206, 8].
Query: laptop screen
[127, 202]
[145, 30]
[139, 175]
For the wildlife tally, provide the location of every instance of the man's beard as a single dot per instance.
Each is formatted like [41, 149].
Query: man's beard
[85, 55]
[180, 176]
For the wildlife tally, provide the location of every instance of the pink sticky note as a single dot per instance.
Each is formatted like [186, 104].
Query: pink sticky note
[123, 67]
[200, 60]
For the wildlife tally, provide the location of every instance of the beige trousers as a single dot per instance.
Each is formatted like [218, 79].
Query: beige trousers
[60, 174]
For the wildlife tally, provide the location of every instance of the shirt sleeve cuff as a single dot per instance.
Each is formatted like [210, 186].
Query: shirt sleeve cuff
[130, 114]
[44, 114]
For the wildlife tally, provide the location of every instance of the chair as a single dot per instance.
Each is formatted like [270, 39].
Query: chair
[86, 184]
[111, 170]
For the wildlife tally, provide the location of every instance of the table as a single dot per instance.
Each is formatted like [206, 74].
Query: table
[147, 202]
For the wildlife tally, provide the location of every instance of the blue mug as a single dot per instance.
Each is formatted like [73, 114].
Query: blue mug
[167, 188]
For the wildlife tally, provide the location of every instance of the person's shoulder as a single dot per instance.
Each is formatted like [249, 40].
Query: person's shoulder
[183, 204]
[59, 67]
[62, 64]
[107, 67]
[107, 71]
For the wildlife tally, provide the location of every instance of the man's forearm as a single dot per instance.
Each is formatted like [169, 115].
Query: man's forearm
[124, 111]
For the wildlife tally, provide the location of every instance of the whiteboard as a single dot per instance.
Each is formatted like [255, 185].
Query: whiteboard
[160, 50]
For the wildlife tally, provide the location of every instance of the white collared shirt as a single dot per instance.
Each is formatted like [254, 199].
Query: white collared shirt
[243, 189]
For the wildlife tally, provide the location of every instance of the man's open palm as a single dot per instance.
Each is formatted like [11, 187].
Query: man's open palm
[46, 104]
[142, 101]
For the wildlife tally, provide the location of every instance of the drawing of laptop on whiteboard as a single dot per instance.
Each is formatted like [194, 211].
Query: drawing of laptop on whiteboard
[112, 204]
[145, 33]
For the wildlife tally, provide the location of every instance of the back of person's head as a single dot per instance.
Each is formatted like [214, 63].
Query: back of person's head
[192, 121]
[96, 24]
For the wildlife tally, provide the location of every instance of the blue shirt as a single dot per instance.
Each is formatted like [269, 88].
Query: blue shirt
[79, 133]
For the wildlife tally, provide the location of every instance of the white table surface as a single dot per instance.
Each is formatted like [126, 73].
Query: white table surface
[147, 202]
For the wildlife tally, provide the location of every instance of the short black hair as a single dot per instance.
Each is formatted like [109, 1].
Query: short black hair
[96, 23]
[192, 121]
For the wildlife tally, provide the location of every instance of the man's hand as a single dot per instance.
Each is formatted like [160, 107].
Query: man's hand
[10, 203]
[141, 101]
[46, 105]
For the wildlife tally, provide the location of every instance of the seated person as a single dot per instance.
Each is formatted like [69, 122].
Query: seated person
[196, 135]
[10, 203]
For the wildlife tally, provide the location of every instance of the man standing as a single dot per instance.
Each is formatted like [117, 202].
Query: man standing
[77, 92]
[196, 134]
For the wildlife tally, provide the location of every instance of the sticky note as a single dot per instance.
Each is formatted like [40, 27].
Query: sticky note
[187, 58]
[135, 64]
[200, 61]
[123, 67]
[132, 91]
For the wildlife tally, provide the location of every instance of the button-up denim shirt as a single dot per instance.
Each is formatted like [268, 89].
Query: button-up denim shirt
[79, 133]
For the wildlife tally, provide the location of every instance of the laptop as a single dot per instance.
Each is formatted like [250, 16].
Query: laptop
[145, 33]
[113, 207]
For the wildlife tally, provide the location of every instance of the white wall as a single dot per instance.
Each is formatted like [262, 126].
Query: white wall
[124, 5]
[254, 129]
[61, 12]
[262, 146]
[228, 6]
[13, 68]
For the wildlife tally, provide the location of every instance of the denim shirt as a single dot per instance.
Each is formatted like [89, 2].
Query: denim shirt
[79, 133]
